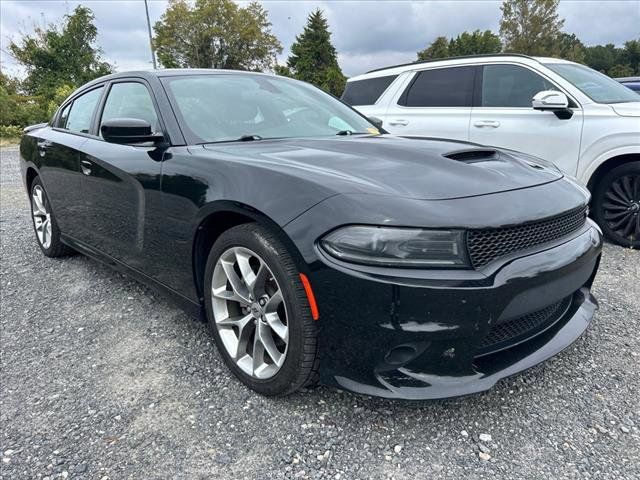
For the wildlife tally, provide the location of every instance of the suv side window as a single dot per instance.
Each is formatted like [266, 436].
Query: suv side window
[366, 92]
[440, 87]
[81, 114]
[511, 86]
[130, 100]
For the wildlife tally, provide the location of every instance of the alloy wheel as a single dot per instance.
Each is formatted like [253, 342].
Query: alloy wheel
[249, 312]
[622, 206]
[41, 216]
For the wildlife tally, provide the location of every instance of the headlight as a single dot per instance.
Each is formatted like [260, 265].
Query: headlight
[397, 247]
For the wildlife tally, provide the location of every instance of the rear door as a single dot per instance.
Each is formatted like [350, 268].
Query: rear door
[504, 116]
[60, 150]
[122, 182]
[436, 103]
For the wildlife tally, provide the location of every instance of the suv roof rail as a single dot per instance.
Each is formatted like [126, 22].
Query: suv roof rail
[482, 55]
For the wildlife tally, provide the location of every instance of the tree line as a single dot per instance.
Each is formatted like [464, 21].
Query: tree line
[57, 58]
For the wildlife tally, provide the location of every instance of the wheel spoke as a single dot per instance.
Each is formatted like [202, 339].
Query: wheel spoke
[272, 304]
[264, 333]
[613, 215]
[615, 186]
[280, 329]
[627, 187]
[611, 195]
[237, 285]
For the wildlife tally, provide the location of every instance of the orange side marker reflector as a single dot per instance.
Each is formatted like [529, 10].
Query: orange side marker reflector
[312, 299]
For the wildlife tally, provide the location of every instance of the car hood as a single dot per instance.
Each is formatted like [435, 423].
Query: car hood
[422, 168]
[629, 109]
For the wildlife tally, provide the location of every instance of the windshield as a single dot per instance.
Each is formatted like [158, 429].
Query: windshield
[595, 85]
[227, 107]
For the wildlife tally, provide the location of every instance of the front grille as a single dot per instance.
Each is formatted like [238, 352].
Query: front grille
[510, 332]
[487, 245]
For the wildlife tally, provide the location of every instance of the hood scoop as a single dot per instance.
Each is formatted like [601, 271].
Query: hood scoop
[473, 155]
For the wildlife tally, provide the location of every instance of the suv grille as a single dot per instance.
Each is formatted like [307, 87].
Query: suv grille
[486, 245]
[505, 334]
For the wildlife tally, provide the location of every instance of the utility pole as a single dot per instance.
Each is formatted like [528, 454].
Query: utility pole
[153, 53]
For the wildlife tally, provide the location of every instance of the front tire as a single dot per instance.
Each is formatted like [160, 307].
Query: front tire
[44, 222]
[616, 203]
[258, 311]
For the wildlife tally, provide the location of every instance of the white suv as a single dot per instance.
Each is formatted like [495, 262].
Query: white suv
[581, 120]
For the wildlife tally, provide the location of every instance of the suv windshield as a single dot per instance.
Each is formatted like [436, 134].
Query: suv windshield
[225, 107]
[595, 85]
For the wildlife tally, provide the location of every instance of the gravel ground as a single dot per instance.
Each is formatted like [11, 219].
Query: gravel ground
[103, 379]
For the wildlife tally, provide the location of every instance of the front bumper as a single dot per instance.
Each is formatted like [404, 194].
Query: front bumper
[422, 338]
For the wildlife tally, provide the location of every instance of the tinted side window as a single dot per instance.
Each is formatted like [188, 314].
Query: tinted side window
[64, 115]
[130, 100]
[366, 92]
[511, 86]
[441, 87]
[82, 109]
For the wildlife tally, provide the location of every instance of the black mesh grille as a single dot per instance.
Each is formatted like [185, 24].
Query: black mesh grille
[487, 245]
[512, 331]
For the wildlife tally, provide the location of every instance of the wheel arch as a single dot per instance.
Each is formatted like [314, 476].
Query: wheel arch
[30, 175]
[217, 218]
[607, 166]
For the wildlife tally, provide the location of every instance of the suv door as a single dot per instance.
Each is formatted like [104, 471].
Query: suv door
[504, 116]
[436, 103]
[59, 149]
[121, 182]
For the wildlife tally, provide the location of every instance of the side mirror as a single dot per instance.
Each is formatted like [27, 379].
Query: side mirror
[376, 122]
[128, 131]
[552, 101]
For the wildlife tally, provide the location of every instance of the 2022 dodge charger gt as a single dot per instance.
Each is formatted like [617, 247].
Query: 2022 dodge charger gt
[318, 248]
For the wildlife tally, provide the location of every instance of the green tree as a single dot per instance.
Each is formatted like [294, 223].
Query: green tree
[439, 48]
[531, 27]
[467, 43]
[569, 47]
[475, 43]
[215, 34]
[313, 57]
[62, 54]
[16, 108]
[631, 55]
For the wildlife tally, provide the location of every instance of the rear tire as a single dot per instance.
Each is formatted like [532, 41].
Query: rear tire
[258, 311]
[44, 222]
[616, 203]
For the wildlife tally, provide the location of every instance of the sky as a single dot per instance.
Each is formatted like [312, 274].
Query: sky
[366, 34]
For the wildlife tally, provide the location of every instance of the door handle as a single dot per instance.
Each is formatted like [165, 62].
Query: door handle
[85, 165]
[486, 124]
[399, 121]
[43, 145]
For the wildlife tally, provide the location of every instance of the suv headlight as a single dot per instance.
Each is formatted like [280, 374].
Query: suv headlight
[397, 247]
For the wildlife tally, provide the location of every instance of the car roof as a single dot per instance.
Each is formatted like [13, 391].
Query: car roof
[628, 79]
[167, 72]
[468, 59]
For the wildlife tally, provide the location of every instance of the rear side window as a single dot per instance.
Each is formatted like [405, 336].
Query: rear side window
[441, 87]
[366, 92]
[511, 86]
[82, 109]
[130, 100]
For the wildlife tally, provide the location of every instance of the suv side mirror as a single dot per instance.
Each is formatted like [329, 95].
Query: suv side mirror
[553, 101]
[127, 131]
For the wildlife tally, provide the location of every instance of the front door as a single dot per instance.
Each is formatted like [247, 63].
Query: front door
[122, 182]
[505, 118]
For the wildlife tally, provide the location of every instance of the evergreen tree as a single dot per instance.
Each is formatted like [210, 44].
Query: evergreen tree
[474, 43]
[313, 57]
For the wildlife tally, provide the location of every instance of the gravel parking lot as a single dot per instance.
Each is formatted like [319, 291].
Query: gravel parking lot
[103, 379]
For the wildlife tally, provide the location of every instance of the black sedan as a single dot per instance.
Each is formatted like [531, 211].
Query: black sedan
[318, 248]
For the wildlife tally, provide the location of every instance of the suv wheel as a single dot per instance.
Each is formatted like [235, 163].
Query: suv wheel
[616, 204]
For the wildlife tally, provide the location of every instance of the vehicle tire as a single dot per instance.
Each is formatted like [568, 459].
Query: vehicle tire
[258, 311]
[44, 222]
[616, 204]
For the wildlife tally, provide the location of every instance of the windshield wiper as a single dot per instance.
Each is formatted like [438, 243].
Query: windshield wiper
[247, 138]
[344, 132]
